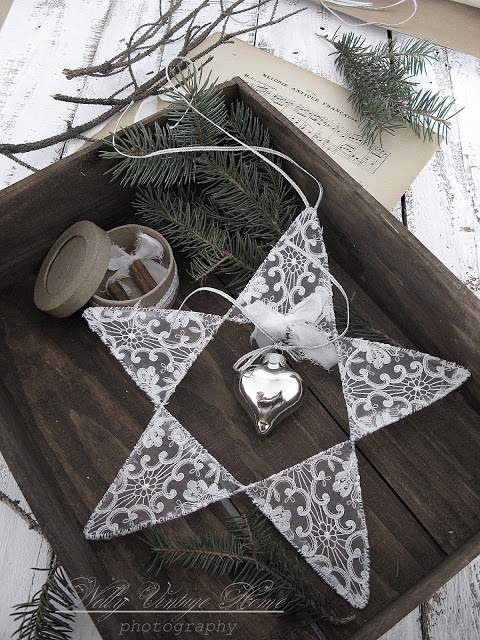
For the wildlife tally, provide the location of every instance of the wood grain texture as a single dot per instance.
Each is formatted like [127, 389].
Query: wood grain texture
[453, 610]
[21, 549]
[409, 628]
[92, 444]
[120, 21]
[47, 30]
[426, 301]
[441, 209]
[459, 559]
[448, 185]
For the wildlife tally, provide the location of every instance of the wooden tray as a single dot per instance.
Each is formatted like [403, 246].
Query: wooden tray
[70, 415]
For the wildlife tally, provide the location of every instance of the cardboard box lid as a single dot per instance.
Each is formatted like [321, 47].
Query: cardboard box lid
[72, 269]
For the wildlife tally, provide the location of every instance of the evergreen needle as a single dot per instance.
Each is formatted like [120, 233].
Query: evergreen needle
[382, 91]
[49, 615]
[224, 210]
[246, 553]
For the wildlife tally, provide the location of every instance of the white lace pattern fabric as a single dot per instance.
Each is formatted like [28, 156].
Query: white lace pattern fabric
[383, 383]
[156, 346]
[167, 475]
[317, 504]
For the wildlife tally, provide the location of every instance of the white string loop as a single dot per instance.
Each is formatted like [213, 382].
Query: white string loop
[247, 359]
[364, 4]
[258, 151]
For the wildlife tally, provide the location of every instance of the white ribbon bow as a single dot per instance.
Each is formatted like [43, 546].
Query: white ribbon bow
[147, 249]
[297, 328]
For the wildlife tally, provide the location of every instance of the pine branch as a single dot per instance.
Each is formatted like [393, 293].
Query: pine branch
[429, 112]
[192, 230]
[383, 93]
[359, 324]
[248, 554]
[50, 613]
[224, 210]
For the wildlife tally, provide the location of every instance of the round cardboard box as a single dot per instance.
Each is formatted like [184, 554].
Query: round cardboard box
[74, 271]
[163, 294]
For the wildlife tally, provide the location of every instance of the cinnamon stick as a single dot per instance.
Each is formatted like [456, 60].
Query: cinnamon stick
[117, 292]
[142, 276]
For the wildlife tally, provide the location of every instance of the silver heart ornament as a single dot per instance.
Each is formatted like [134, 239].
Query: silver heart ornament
[269, 392]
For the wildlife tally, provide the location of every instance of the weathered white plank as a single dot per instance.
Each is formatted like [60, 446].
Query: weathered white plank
[53, 36]
[20, 549]
[407, 629]
[442, 204]
[27, 112]
[121, 21]
[442, 211]
[454, 611]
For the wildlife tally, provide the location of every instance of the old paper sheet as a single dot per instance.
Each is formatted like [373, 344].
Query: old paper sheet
[320, 109]
[451, 24]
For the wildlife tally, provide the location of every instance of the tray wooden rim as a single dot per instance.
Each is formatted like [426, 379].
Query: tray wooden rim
[14, 448]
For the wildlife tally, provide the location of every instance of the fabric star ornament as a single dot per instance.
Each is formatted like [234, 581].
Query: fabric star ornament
[316, 504]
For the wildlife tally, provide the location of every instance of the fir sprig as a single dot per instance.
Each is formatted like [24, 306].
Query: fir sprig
[191, 228]
[246, 553]
[49, 615]
[224, 210]
[383, 91]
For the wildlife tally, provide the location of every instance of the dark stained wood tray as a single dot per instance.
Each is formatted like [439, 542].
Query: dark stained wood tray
[69, 414]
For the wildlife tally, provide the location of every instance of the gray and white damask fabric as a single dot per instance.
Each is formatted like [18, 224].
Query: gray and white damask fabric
[156, 347]
[317, 504]
[167, 475]
[383, 383]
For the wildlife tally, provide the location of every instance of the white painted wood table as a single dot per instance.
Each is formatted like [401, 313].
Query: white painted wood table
[42, 37]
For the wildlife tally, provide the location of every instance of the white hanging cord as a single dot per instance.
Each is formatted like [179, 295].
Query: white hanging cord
[249, 358]
[242, 147]
[364, 4]
[251, 355]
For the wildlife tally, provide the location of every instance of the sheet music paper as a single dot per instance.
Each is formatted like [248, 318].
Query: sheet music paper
[320, 109]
